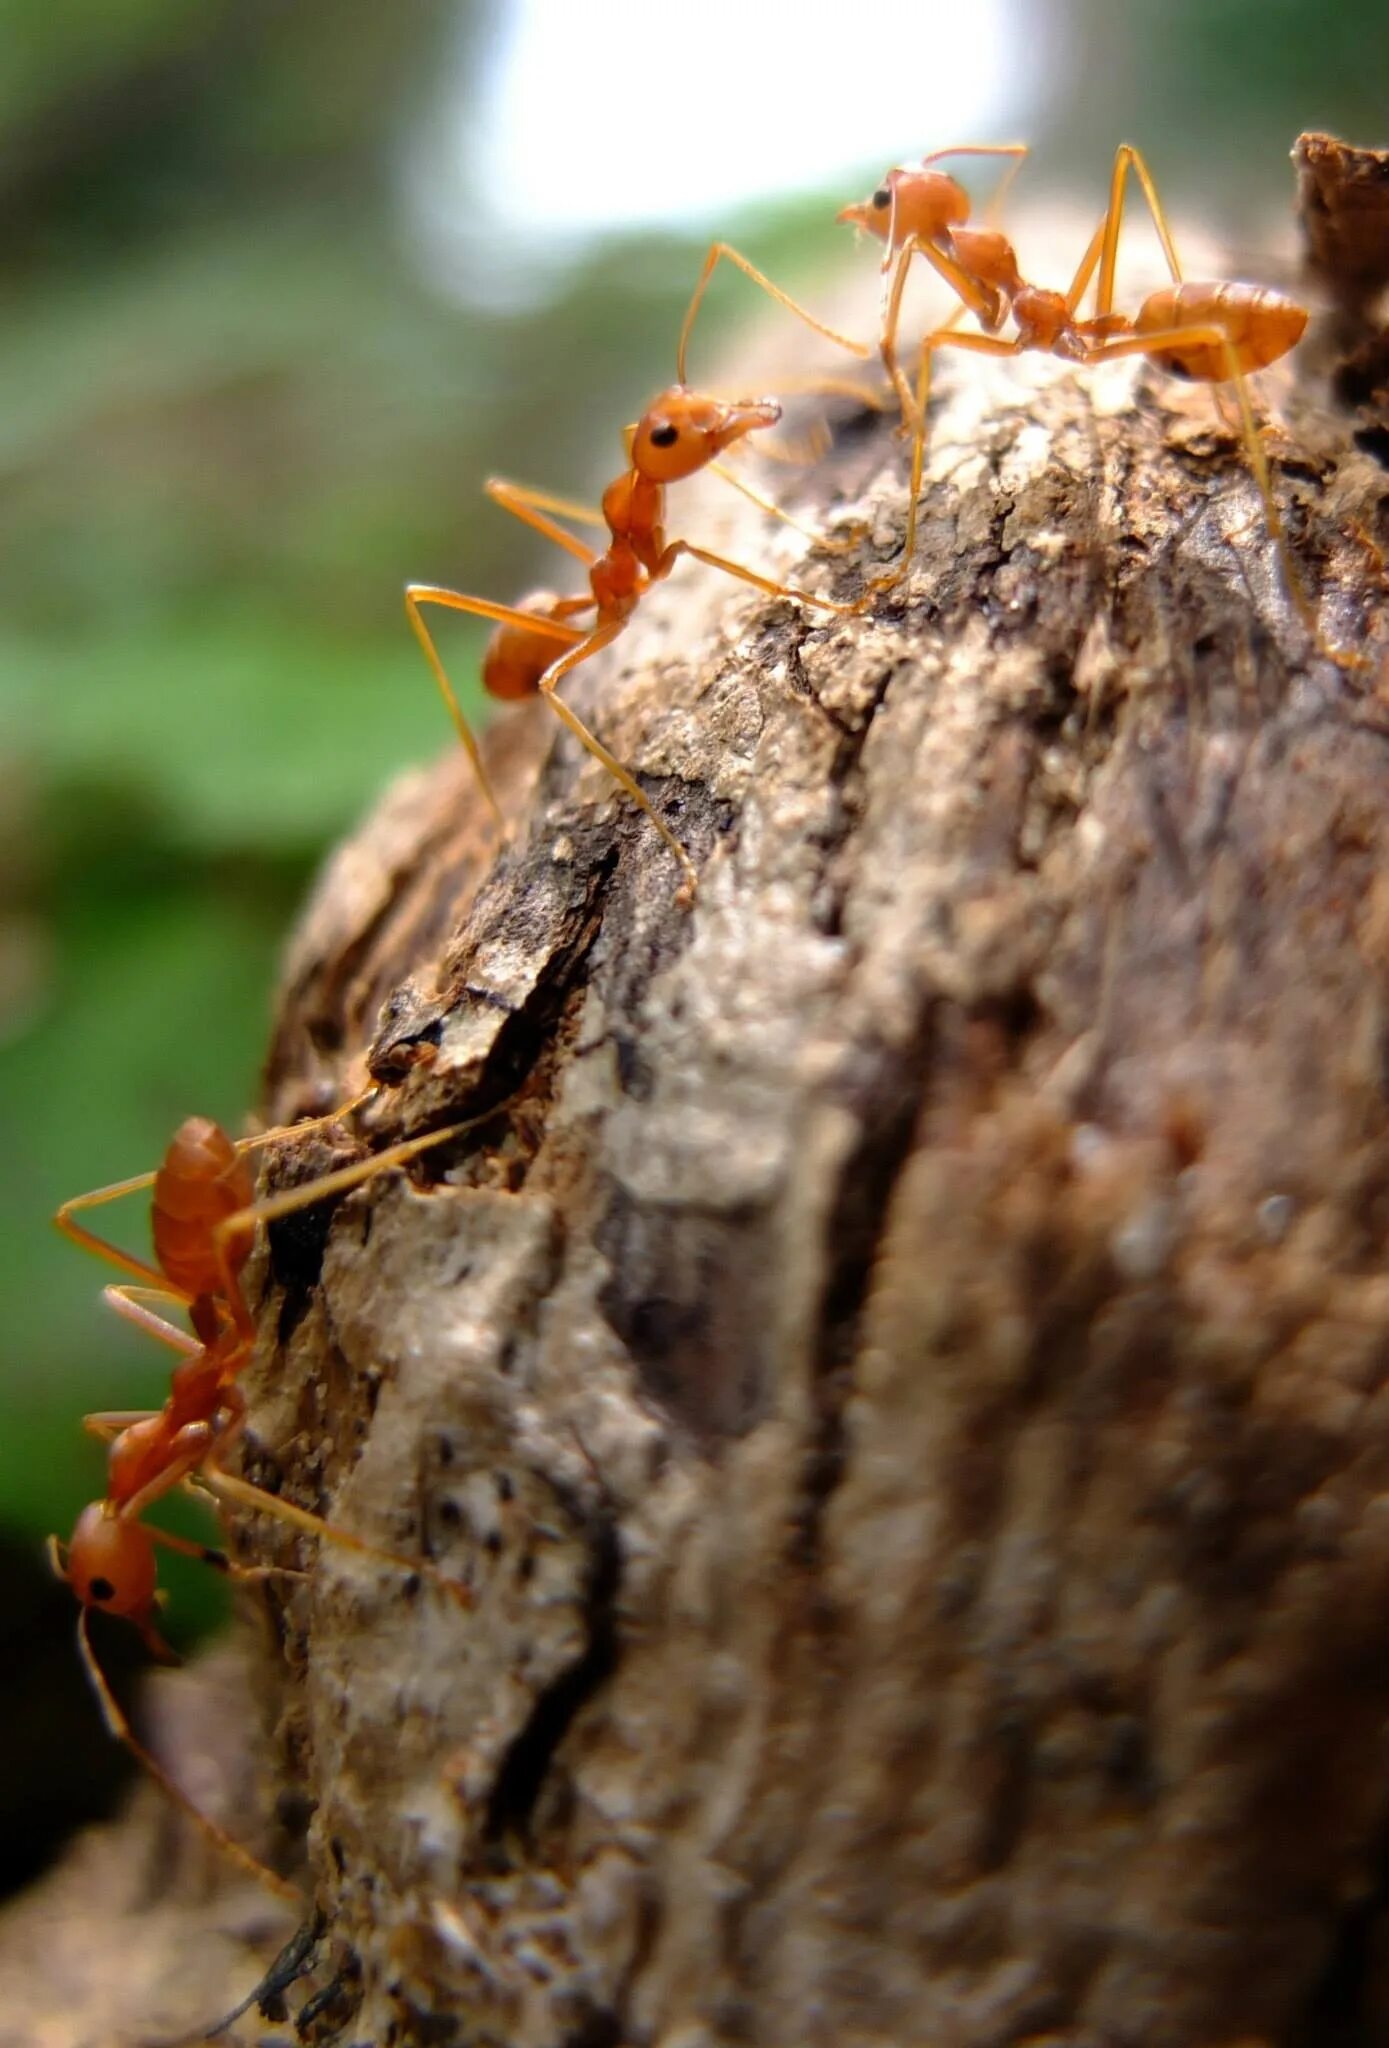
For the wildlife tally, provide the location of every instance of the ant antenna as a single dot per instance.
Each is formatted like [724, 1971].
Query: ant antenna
[120, 1729]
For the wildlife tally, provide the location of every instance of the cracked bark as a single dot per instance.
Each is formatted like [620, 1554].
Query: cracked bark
[904, 1378]
[902, 1373]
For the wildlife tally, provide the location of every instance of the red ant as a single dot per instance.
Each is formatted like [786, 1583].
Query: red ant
[916, 207]
[204, 1217]
[680, 433]
[1212, 333]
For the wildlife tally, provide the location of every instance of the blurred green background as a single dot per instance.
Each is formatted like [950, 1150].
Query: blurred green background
[265, 324]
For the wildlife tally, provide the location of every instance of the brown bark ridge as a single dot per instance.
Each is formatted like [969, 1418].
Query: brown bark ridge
[903, 1376]
[1344, 201]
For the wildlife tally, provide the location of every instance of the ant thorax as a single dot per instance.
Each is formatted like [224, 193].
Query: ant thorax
[923, 203]
[1043, 318]
[617, 578]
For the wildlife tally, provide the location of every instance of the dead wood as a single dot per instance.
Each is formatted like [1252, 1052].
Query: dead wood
[1344, 198]
[904, 1376]
[905, 1385]
[904, 1379]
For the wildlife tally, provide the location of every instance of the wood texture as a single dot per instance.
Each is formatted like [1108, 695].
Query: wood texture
[903, 1375]
[904, 1381]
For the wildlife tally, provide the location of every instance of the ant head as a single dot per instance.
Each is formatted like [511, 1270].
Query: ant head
[683, 431]
[909, 202]
[873, 214]
[110, 1564]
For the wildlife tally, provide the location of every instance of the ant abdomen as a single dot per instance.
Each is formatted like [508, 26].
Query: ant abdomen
[202, 1182]
[1260, 325]
[518, 656]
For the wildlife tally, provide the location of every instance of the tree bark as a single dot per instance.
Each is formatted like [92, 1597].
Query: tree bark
[903, 1371]
[903, 1377]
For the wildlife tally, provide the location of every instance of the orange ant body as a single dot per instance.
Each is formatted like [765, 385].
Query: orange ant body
[538, 644]
[916, 208]
[203, 1217]
[1207, 332]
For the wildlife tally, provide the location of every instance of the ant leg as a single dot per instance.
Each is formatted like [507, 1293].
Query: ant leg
[225, 1486]
[1127, 158]
[1216, 337]
[975, 344]
[139, 1269]
[130, 1303]
[294, 1961]
[200, 1472]
[603, 636]
[967, 289]
[121, 1731]
[890, 315]
[718, 249]
[972, 299]
[1085, 270]
[218, 1560]
[832, 544]
[242, 1224]
[920, 403]
[923, 394]
[105, 1423]
[530, 507]
[417, 594]
[763, 583]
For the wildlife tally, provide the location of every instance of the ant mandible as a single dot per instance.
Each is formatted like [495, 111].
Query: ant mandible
[536, 645]
[1212, 333]
[204, 1218]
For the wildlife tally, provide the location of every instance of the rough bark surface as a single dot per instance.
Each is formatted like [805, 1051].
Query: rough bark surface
[906, 1380]
[903, 1375]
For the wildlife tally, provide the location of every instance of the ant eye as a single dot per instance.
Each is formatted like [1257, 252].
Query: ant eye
[882, 197]
[664, 437]
[102, 1590]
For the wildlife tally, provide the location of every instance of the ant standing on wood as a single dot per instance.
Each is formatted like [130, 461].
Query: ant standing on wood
[1214, 333]
[917, 207]
[204, 1218]
[540, 643]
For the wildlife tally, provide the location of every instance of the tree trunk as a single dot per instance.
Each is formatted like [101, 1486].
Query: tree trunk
[903, 1372]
